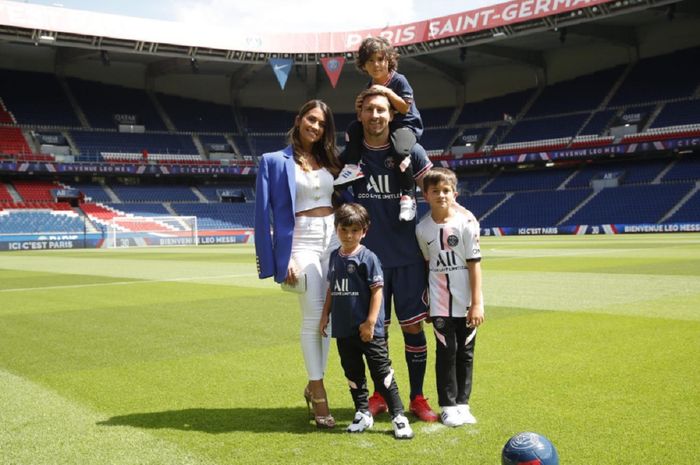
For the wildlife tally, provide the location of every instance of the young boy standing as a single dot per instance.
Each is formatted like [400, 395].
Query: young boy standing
[449, 240]
[356, 301]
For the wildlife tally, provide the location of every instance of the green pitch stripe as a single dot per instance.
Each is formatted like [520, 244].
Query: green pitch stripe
[41, 427]
[124, 283]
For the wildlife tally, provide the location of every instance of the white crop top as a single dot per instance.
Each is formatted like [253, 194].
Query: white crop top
[314, 188]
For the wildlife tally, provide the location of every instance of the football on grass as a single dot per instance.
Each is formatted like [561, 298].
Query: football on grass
[529, 449]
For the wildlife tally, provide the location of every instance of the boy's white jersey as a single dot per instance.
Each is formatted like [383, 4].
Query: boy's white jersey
[447, 247]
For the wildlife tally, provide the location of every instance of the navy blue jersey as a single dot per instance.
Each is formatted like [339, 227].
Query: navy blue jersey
[350, 278]
[392, 240]
[411, 120]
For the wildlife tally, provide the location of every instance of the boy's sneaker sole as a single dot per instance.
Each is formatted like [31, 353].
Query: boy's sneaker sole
[349, 173]
[407, 208]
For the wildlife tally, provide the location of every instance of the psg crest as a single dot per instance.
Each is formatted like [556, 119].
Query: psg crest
[452, 240]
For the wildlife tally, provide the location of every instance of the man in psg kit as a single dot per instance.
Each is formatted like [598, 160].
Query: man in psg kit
[355, 300]
[449, 240]
[394, 241]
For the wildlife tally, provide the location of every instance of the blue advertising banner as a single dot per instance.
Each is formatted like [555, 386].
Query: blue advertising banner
[108, 168]
[590, 152]
[592, 229]
[96, 240]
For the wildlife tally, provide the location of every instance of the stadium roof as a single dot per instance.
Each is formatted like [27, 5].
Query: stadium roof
[517, 31]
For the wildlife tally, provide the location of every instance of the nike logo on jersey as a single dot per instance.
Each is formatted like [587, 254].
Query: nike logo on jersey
[280, 67]
[430, 242]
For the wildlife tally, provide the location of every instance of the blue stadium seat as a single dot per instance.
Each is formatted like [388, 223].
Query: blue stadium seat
[36, 98]
[101, 102]
[198, 116]
[631, 204]
[535, 209]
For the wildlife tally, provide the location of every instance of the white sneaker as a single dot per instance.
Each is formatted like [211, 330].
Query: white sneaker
[407, 208]
[450, 416]
[402, 430]
[349, 173]
[466, 414]
[361, 422]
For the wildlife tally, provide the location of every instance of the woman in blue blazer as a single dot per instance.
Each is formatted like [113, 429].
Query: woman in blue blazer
[294, 232]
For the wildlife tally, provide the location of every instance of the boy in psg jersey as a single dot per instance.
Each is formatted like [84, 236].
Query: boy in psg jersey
[379, 60]
[449, 240]
[355, 300]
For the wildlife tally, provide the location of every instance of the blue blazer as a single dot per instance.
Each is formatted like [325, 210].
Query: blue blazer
[275, 192]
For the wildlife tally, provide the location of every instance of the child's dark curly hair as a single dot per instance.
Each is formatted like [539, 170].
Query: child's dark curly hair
[379, 45]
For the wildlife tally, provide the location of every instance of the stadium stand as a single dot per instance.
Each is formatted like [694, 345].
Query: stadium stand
[584, 93]
[130, 146]
[437, 139]
[659, 70]
[631, 204]
[630, 173]
[436, 117]
[5, 195]
[681, 113]
[211, 192]
[36, 221]
[36, 98]
[140, 209]
[219, 215]
[689, 211]
[598, 123]
[494, 109]
[686, 169]
[536, 180]
[106, 106]
[150, 193]
[35, 190]
[267, 143]
[479, 205]
[557, 128]
[266, 121]
[533, 209]
[198, 116]
[93, 192]
[580, 112]
[12, 141]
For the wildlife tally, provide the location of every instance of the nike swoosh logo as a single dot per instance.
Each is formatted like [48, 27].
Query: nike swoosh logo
[430, 242]
[280, 67]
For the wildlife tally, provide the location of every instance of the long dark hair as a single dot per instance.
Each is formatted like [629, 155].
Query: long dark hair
[324, 150]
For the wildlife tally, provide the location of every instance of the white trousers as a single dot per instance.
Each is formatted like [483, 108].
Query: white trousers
[314, 239]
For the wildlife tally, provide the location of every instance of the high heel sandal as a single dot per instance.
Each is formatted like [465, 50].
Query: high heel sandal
[322, 421]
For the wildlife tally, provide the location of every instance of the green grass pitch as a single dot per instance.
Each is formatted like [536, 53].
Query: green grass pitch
[182, 356]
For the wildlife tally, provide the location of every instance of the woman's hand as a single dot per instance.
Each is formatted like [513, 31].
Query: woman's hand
[292, 273]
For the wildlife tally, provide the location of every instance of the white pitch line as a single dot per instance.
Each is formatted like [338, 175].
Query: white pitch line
[122, 283]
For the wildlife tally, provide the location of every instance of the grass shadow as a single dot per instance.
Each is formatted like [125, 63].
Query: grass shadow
[215, 421]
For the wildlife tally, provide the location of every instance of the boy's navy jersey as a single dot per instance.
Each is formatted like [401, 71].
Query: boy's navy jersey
[412, 120]
[350, 278]
[378, 191]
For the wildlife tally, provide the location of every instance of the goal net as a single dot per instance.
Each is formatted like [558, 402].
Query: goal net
[152, 231]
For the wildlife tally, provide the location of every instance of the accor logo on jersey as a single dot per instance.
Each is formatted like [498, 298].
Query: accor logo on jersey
[378, 188]
[379, 184]
[446, 261]
[341, 285]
